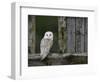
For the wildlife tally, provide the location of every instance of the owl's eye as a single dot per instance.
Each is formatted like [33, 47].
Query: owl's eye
[46, 34]
[50, 35]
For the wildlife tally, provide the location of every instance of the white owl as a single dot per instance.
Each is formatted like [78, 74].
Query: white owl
[46, 44]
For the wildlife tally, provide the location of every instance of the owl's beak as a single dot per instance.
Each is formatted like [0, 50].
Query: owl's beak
[48, 38]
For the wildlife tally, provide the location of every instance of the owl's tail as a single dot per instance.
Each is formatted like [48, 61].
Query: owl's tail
[43, 56]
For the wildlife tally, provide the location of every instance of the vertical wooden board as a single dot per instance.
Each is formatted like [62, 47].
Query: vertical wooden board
[85, 34]
[70, 34]
[31, 34]
[78, 35]
[82, 35]
[62, 37]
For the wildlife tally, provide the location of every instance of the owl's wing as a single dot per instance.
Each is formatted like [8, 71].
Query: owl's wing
[45, 47]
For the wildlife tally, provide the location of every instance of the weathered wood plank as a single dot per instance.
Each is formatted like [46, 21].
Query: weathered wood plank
[62, 38]
[85, 34]
[55, 55]
[31, 34]
[70, 34]
[78, 35]
[82, 35]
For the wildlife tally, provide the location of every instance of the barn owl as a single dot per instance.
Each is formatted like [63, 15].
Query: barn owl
[46, 44]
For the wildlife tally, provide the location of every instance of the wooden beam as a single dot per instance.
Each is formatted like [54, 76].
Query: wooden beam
[55, 55]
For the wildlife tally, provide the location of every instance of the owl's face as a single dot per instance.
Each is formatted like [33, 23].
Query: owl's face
[48, 35]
